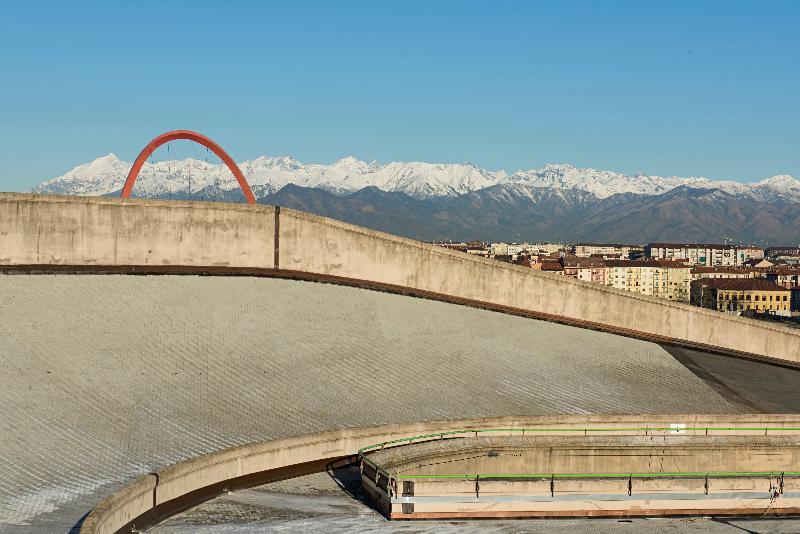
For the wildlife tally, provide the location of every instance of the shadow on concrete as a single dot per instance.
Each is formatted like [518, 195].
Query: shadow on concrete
[752, 386]
[76, 528]
[348, 478]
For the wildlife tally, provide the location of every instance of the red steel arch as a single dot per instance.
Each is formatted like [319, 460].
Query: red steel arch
[191, 136]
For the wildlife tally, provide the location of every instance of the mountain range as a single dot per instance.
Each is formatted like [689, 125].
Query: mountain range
[463, 201]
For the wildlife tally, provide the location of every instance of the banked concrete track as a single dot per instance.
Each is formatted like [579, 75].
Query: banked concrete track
[107, 378]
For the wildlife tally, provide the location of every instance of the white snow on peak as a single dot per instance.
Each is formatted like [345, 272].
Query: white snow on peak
[100, 176]
[353, 164]
[268, 174]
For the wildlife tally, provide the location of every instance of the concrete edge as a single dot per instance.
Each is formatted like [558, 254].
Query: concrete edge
[162, 494]
[116, 201]
[466, 258]
[123, 506]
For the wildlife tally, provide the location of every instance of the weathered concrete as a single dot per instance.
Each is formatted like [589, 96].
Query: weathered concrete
[58, 230]
[598, 472]
[595, 453]
[214, 468]
[107, 378]
[349, 251]
[332, 501]
[44, 230]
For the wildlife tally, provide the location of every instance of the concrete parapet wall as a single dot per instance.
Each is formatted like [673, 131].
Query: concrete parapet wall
[315, 244]
[124, 506]
[81, 231]
[57, 230]
[174, 482]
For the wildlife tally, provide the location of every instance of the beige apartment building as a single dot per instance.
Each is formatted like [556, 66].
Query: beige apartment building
[664, 279]
[515, 249]
[606, 249]
[737, 295]
[708, 255]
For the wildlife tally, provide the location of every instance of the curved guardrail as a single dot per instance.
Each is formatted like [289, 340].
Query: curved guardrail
[671, 430]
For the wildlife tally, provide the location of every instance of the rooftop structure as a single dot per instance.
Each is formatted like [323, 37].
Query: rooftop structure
[140, 334]
[593, 472]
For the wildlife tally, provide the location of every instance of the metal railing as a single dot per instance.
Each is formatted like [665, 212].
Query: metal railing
[389, 478]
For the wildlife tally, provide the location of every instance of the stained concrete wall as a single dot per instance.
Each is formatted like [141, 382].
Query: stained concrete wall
[58, 230]
[52, 230]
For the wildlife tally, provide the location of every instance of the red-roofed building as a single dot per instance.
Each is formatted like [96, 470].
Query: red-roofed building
[736, 295]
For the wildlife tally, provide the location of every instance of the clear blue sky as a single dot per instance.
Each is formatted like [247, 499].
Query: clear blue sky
[684, 88]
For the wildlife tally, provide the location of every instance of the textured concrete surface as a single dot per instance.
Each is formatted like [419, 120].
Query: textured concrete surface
[109, 377]
[333, 502]
[90, 232]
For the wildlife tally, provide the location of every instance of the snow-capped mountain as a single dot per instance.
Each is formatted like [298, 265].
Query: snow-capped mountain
[267, 175]
[462, 201]
[604, 184]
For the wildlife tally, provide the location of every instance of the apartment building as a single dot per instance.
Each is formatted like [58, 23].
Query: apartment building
[709, 255]
[591, 269]
[547, 248]
[783, 253]
[609, 250]
[720, 272]
[737, 295]
[552, 266]
[786, 277]
[664, 279]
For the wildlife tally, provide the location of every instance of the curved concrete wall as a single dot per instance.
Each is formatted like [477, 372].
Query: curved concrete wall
[47, 231]
[172, 483]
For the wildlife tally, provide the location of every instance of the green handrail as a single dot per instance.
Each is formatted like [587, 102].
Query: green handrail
[467, 476]
[681, 474]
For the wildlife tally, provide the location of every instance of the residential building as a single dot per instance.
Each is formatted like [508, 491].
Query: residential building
[784, 277]
[549, 266]
[720, 272]
[591, 269]
[664, 279]
[478, 251]
[737, 295]
[709, 255]
[783, 253]
[452, 245]
[512, 249]
[523, 260]
[606, 250]
[508, 249]
[759, 263]
[548, 248]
